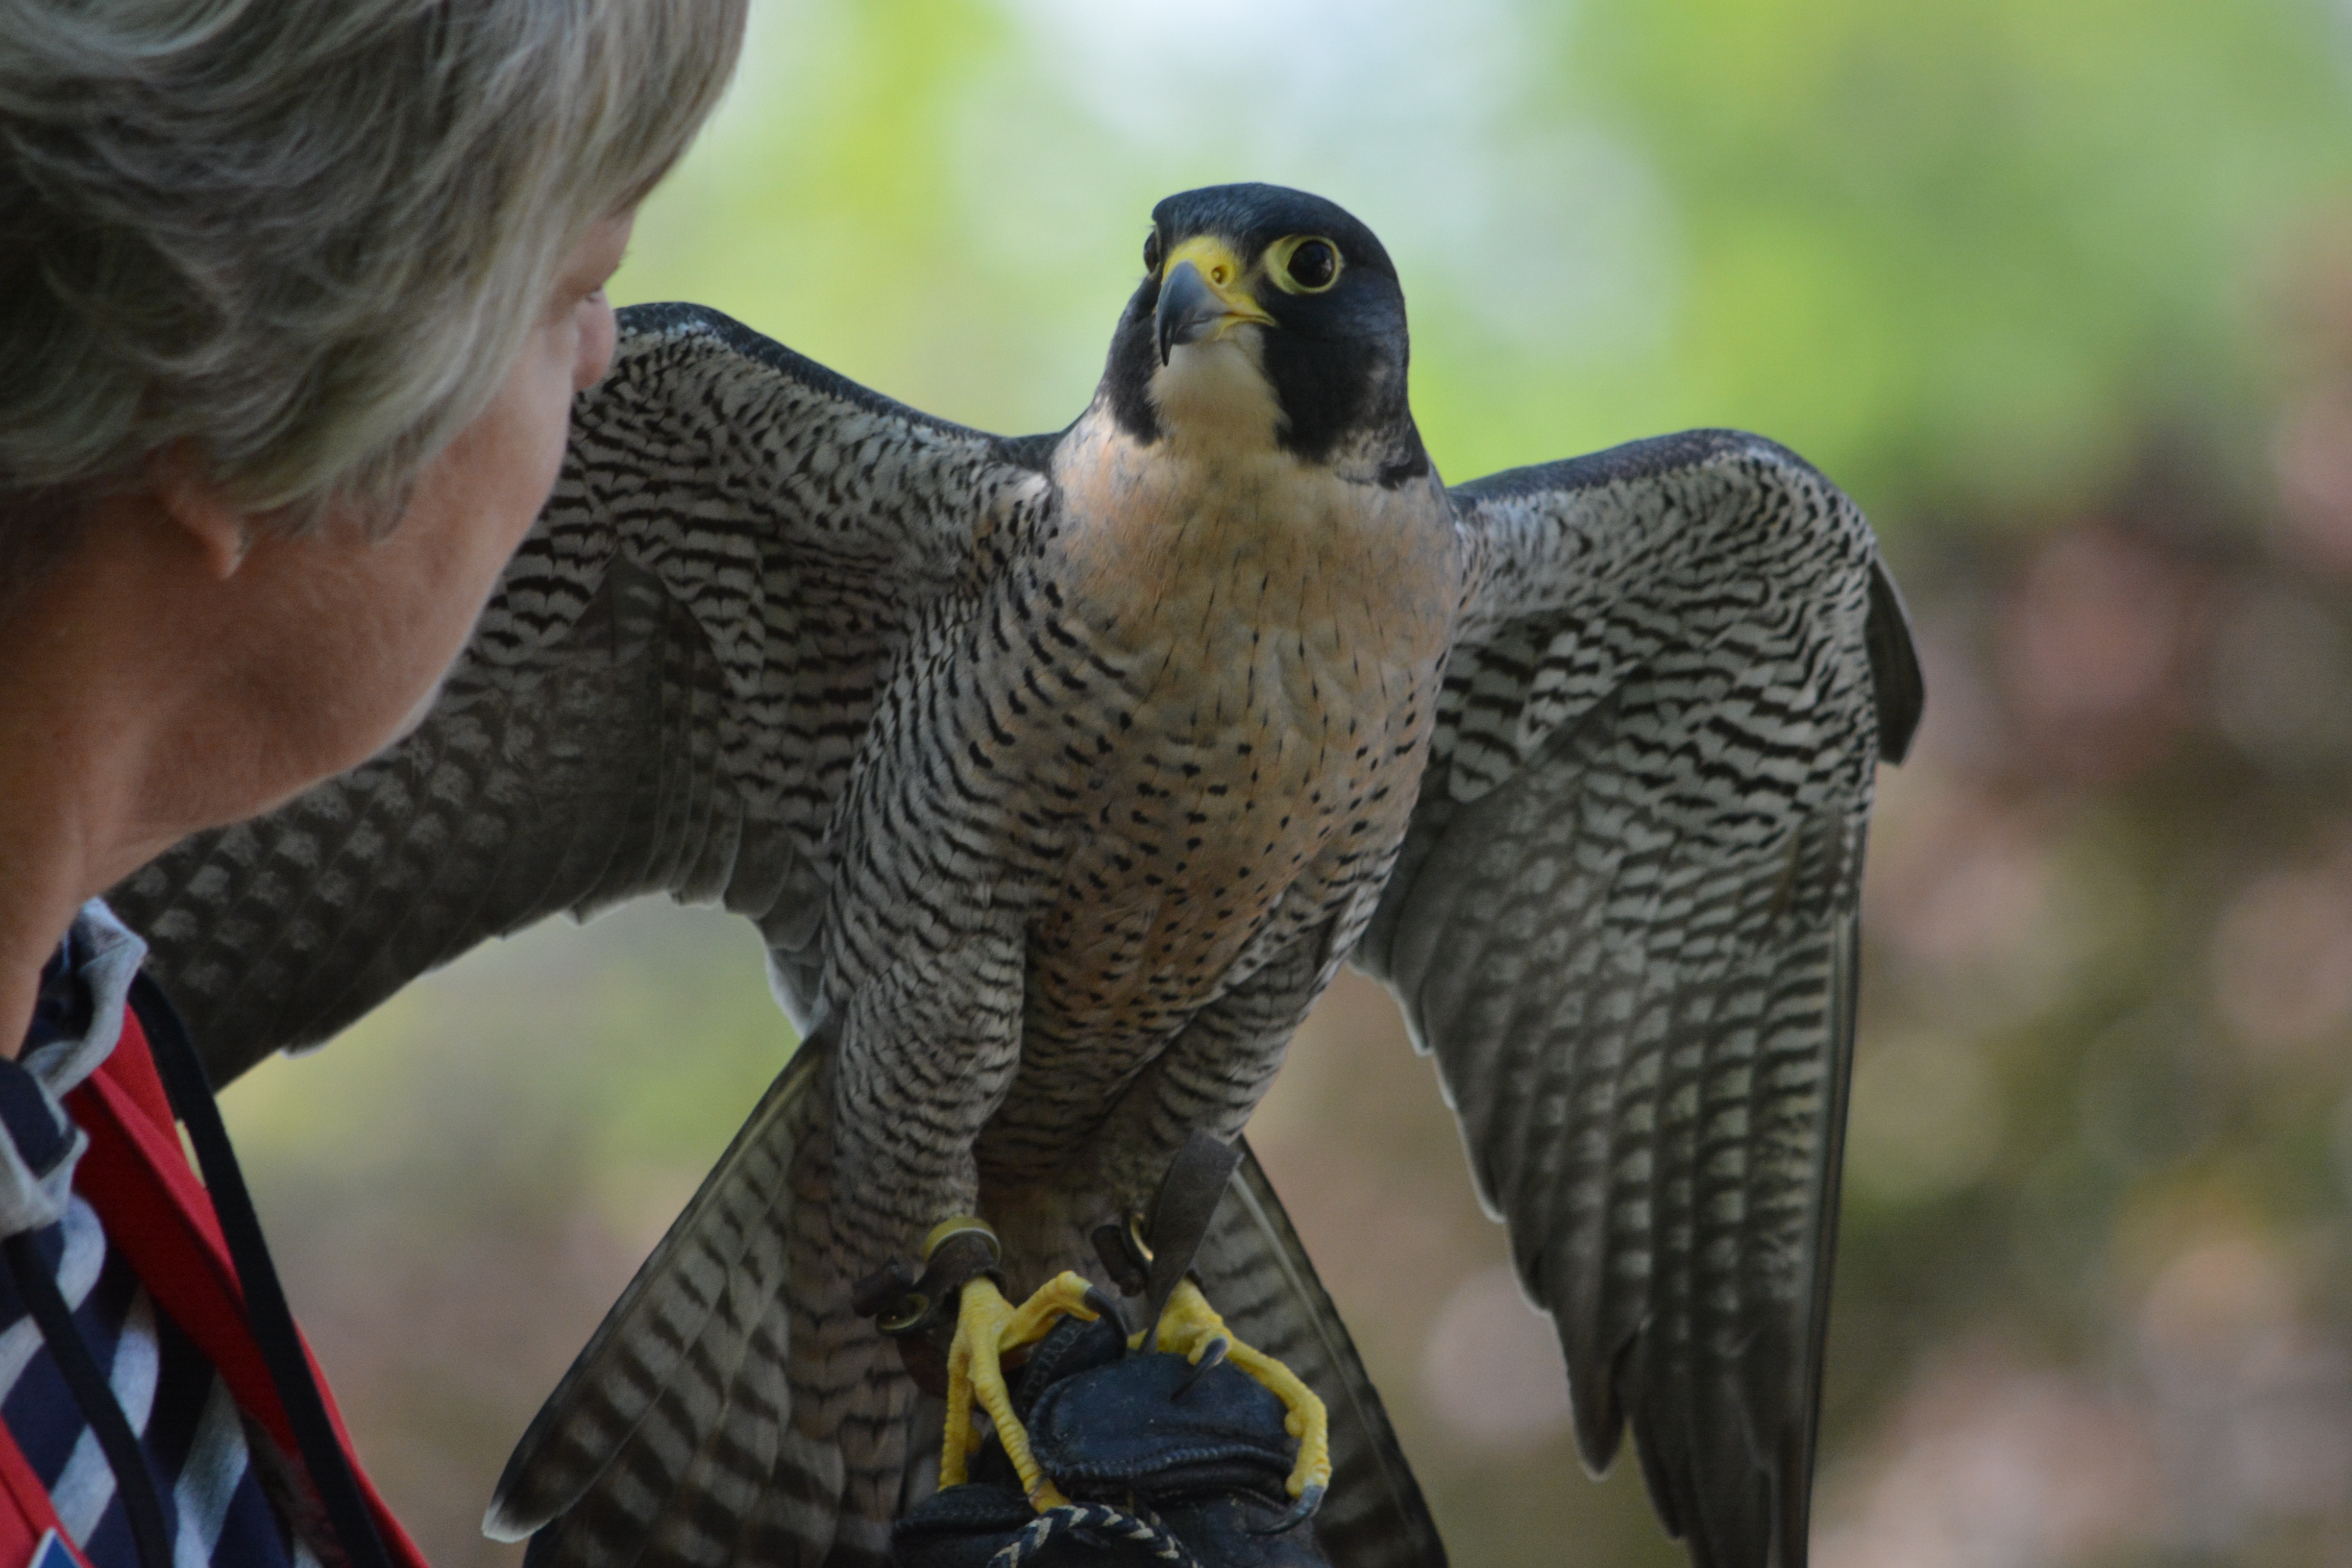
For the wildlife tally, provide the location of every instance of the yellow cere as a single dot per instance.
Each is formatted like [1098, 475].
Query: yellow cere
[1221, 270]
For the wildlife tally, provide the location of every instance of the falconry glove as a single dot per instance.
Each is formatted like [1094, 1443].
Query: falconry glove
[1164, 1462]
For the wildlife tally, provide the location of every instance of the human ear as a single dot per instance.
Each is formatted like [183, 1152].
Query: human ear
[183, 484]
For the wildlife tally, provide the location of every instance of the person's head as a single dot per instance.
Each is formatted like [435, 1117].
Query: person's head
[293, 301]
[296, 248]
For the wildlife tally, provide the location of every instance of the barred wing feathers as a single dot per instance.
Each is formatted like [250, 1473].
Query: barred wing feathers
[1625, 921]
[663, 696]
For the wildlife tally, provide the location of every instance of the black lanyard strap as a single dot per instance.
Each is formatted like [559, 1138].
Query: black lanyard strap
[191, 1093]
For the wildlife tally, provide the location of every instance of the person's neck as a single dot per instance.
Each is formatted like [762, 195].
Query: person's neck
[49, 867]
[77, 747]
[130, 718]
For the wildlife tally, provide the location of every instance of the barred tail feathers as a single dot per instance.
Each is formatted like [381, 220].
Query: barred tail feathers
[1255, 1272]
[672, 1439]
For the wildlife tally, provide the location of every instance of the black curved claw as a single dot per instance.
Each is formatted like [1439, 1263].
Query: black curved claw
[1105, 1306]
[1300, 1512]
[1210, 1354]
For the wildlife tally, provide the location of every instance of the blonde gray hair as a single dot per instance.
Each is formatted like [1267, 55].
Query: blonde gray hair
[307, 236]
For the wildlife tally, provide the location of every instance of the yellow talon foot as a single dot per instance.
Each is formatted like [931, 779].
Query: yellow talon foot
[988, 1328]
[1191, 1328]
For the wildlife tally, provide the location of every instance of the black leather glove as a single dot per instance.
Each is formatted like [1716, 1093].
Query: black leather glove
[1162, 1465]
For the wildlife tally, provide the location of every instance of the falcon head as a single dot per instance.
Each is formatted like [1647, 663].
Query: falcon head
[1267, 318]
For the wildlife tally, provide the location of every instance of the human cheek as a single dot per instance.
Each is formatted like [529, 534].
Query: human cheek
[599, 336]
[483, 495]
[541, 395]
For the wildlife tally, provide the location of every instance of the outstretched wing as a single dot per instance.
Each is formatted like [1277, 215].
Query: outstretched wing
[665, 695]
[1625, 921]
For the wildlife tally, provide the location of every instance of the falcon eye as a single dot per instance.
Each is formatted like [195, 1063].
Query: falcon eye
[1306, 265]
[1152, 253]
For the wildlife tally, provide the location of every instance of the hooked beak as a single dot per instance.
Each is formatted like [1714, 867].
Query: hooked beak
[1202, 296]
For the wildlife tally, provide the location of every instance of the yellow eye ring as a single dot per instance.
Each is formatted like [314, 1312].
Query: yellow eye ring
[1303, 264]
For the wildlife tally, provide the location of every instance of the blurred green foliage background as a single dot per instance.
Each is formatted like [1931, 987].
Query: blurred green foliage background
[2060, 289]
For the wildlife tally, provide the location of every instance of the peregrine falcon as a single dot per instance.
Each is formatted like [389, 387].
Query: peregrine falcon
[1060, 774]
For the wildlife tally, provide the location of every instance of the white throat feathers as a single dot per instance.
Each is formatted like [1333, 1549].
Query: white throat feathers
[1212, 397]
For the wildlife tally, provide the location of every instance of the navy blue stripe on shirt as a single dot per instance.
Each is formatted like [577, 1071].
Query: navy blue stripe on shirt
[194, 1444]
[189, 1431]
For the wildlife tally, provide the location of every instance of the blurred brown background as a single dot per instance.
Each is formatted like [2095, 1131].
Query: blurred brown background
[2060, 289]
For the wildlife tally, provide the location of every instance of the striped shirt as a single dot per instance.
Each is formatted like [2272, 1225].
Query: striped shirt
[189, 1429]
